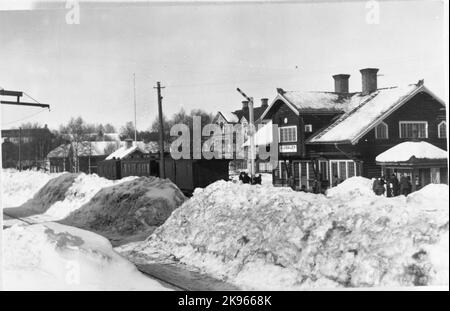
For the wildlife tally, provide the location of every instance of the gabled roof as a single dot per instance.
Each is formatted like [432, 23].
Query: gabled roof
[313, 102]
[237, 115]
[363, 113]
[94, 148]
[405, 151]
[62, 151]
[229, 116]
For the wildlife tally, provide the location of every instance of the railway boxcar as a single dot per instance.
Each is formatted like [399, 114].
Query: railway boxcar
[110, 169]
[189, 174]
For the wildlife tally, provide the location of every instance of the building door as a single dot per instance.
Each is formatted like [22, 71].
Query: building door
[435, 175]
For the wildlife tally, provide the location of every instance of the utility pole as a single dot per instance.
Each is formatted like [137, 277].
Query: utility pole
[251, 132]
[134, 98]
[161, 132]
[20, 147]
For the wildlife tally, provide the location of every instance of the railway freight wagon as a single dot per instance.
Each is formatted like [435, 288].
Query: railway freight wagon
[190, 174]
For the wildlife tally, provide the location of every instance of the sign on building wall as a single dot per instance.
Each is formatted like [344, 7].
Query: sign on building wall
[288, 148]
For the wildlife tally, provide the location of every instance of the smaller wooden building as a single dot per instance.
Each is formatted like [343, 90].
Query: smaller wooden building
[422, 162]
[80, 156]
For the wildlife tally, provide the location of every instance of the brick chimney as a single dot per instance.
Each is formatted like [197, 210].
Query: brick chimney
[245, 105]
[341, 83]
[369, 80]
[128, 143]
[264, 102]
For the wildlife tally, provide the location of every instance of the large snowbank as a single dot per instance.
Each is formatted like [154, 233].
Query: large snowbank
[53, 191]
[132, 209]
[51, 256]
[261, 237]
[19, 187]
[82, 190]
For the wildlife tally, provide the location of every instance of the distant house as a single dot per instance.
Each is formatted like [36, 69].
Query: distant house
[131, 159]
[33, 144]
[327, 137]
[80, 157]
[241, 117]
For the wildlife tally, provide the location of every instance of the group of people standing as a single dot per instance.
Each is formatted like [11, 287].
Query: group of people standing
[392, 187]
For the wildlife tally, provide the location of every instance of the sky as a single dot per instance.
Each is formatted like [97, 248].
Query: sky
[202, 52]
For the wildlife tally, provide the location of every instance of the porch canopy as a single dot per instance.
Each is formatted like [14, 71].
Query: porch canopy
[413, 153]
[423, 162]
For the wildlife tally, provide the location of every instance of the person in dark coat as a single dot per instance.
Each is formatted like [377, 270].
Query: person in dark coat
[395, 185]
[405, 185]
[257, 179]
[243, 176]
[378, 186]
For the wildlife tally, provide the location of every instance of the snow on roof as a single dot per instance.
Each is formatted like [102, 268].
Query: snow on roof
[94, 148]
[363, 112]
[314, 101]
[123, 151]
[263, 136]
[405, 151]
[62, 151]
[229, 116]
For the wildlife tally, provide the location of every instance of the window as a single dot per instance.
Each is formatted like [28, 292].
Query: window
[381, 131]
[413, 129]
[343, 169]
[308, 128]
[288, 134]
[442, 130]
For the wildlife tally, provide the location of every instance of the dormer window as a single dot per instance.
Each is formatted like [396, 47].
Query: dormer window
[442, 129]
[381, 131]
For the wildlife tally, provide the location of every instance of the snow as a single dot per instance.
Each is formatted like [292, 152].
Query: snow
[51, 256]
[265, 237]
[354, 186]
[79, 193]
[315, 100]
[131, 209]
[405, 151]
[20, 186]
[123, 151]
[229, 116]
[362, 111]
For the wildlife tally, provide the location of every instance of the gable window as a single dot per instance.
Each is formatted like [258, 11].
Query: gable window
[381, 131]
[288, 134]
[308, 128]
[442, 130]
[413, 129]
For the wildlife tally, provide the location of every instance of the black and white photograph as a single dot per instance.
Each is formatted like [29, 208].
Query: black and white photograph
[224, 146]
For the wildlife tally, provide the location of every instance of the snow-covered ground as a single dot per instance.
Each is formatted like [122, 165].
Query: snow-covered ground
[19, 187]
[60, 196]
[131, 209]
[262, 237]
[50, 256]
[79, 193]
